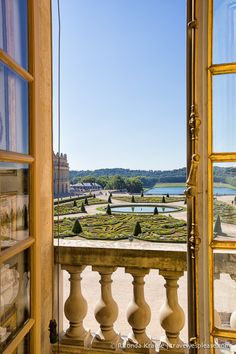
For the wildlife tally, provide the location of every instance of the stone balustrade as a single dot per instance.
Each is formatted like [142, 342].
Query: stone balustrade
[104, 257]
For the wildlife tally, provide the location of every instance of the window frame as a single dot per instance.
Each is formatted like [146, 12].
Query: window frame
[38, 25]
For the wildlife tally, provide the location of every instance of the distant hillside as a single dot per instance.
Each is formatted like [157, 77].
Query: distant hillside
[177, 175]
[150, 177]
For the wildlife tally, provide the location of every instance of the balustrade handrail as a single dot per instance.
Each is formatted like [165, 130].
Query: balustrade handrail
[163, 257]
[137, 258]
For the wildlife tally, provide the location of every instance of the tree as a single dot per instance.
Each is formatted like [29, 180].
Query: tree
[94, 196]
[132, 199]
[102, 181]
[109, 199]
[77, 229]
[108, 210]
[117, 182]
[75, 204]
[86, 201]
[141, 194]
[110, 194]
[167, 195]
[83, 210]
[88, 179]
[155, 212]
[163, 199]
[134, 185]
[137, 229]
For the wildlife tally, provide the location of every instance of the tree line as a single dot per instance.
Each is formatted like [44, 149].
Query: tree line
[130, 184]
[135, 180]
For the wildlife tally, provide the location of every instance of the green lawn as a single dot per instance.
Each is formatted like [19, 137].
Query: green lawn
[158, 228]
[145, 199]
[69, 208]
[216, 184]
[223, 185]
[226, 212]
[177, 184]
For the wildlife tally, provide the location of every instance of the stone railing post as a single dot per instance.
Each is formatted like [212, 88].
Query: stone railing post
[75, 308]
[172, 316]
[138, 312]
[106, 311]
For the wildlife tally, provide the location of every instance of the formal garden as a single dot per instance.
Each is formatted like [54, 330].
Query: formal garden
[76, 206]
[157, 228]
[225, 211]
[152, 199]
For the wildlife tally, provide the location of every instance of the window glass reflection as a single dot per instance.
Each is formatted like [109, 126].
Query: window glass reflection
[14, 297]
[224, 31]
[24, 346]
[14, 204]
[13, 30]
[13, 111]
[225, 289]
[224, 346]
[224, 113]
[224, 203]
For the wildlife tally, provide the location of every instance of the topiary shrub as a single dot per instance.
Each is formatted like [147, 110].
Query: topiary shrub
[163, 199]
[77, 229]
[167, 195]
[94, 196]
[155, 211]
[108, 210]
[83, 210]
[75, 204]
[217, 227]
[110, 194]
[109, 199]
[132, 199]
[137, 229]
[86, 201]
[141, 194]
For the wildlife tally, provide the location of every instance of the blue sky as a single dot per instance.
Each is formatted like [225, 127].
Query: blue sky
[122, 83]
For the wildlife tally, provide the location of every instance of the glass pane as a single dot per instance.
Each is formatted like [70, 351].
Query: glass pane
[24, 347]
[14, 204]
[13, 30]
[224, 113]
[224, 346]
[15, 296]
[225, 289]
[224, 204]
[13, 111]
[224, 31]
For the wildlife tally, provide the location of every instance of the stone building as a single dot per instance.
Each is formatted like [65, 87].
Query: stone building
[61, 178]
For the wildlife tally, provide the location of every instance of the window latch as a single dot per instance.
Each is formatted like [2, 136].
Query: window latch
[53, 334]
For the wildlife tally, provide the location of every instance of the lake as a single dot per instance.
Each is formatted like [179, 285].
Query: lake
[180, 190]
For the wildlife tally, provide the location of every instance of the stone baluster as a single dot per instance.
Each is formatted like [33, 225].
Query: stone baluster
[172, 317]
[138, 312]
[106, 311]
[233, 314]
[75, 308]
